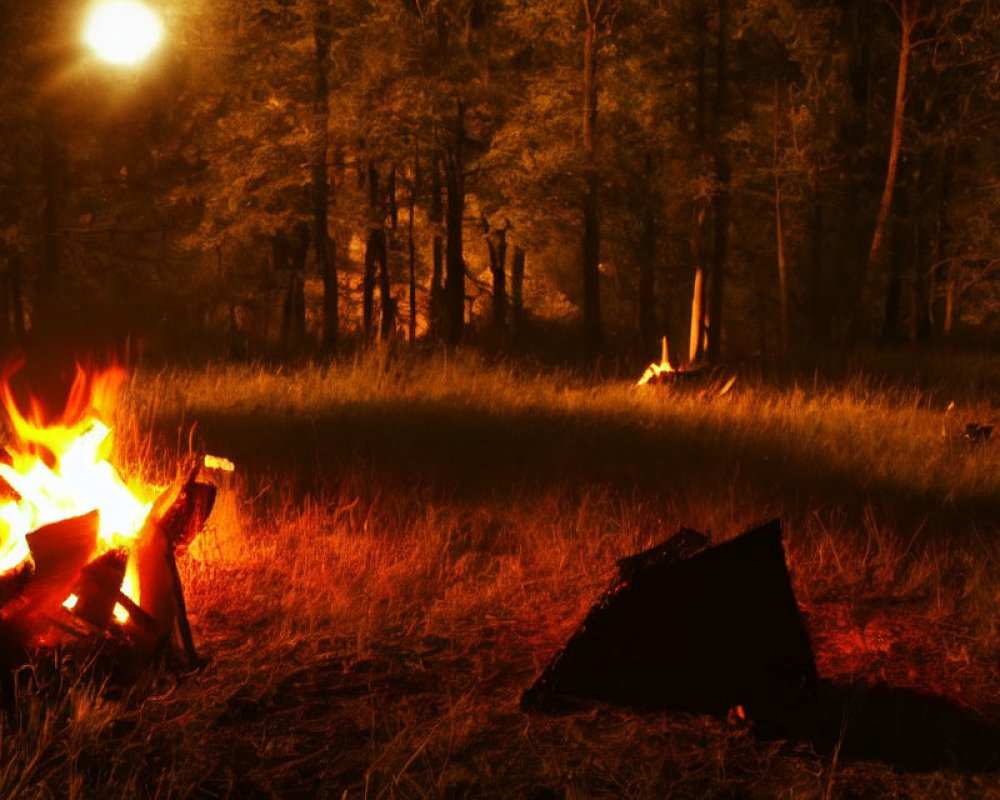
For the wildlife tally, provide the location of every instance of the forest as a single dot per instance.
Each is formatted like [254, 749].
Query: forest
[747, 177]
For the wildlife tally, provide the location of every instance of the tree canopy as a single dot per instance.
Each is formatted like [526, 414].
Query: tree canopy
[751, 176]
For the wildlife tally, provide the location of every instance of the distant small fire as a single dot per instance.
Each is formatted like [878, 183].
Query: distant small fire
[658, 372]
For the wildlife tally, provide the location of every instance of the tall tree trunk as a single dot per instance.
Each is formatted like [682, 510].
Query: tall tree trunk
[372, 255]
[591, 238]
[323, 244]
[876, 252]
[696, 337]
[414, 189]
[721, 200]
[391, 202]
[436, 216]
[454, 282]
[948, 318]
[517, 292]
[388, 302]
[375, 203]
[377, 259]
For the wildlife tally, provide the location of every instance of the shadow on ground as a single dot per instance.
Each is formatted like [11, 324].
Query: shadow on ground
[475, 454]
[907, 729]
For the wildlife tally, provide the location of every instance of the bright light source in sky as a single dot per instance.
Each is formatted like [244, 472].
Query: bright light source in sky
[122, 31]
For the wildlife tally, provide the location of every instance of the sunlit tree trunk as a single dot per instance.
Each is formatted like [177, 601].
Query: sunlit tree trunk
[696, 337]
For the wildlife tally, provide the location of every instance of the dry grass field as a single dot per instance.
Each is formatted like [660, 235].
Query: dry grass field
[407, 541]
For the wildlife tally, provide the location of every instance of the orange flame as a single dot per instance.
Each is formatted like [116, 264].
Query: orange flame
[654, 371]
[60, 470]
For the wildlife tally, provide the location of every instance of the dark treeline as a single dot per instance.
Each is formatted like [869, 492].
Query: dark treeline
[748, 176]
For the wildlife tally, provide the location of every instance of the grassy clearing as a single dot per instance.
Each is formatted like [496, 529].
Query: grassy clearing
[409, 541]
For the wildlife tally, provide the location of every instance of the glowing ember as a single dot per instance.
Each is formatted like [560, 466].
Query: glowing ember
[60, 470]
[219, 463]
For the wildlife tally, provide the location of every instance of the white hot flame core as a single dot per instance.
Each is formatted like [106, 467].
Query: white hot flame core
[122, 32]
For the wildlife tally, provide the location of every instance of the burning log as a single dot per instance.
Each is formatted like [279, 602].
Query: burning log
[712, 382]
[178, 514]
[60, 550]
[99, 586]
[694, 628]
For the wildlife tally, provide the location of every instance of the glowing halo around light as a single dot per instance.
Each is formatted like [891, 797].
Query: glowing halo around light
[122, 32]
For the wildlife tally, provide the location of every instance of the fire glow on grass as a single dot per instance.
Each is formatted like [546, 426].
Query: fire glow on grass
[59, 469]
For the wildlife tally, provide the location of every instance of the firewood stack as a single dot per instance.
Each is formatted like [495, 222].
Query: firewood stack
[35, 616]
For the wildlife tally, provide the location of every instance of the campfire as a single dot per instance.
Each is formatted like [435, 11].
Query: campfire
[659, 373]
[713, 383]
[85, 555]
